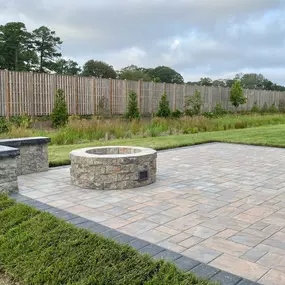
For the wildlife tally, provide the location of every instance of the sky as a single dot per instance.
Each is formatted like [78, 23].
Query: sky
[197, 38]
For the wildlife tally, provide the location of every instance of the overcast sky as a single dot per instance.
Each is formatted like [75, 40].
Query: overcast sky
[198, 38]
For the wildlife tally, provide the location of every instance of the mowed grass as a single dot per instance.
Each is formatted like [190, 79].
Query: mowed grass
[273, 135]
[37, 248]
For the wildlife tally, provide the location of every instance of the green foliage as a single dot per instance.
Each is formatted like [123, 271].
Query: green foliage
[165, 74]
[4, 125]
[31, 240]
[59, 115]
[98, 69]
[209, 115]
[177, 114]
[47, 45]
[281, 106]
[193, 104]
[23, 121]
[135, 73]
[264, 108]
[16, 48]
[272, 109]
[132, 108]
[219, 111]
[236, 94]
[255, 108]
[66, 67]
[164, 109]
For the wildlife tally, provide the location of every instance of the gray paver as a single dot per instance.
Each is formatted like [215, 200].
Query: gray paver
[151, 249]
[124, 239]
[138, 243]
[205, 271]
[168, 255]
[226, 278]
[185, 263]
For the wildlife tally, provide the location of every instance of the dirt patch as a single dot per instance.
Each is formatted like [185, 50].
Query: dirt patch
[6, 280]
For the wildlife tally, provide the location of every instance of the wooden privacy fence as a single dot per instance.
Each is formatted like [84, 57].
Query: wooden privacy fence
[34, 93]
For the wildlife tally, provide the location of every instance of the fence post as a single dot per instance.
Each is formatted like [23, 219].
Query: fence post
[94, 111]
[31, 95]
[126, 94]
[184, 97]
[8, 95]
[76, 95]
[174, 98]
[111, 96]
[164, 87]
[140, 95]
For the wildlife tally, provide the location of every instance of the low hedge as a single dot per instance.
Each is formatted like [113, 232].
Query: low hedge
[38, 248]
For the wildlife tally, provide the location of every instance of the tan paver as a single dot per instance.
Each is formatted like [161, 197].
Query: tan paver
[273, 277]
[240, 267]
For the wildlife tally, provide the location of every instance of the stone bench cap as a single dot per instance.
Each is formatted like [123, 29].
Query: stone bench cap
[24, 141]
[6, 151]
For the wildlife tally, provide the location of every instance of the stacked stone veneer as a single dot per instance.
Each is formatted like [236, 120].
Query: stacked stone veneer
[116, 167]
[33, 154]
[8, 169]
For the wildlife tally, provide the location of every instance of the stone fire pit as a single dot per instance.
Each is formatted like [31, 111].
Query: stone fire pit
[113, 167]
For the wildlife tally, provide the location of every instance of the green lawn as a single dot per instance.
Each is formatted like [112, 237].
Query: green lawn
[273, 135]
[37, 248]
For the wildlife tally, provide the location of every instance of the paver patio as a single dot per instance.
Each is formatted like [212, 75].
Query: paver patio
[221, 204]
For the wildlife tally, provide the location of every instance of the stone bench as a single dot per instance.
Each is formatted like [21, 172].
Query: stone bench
[33, 153]
[8, 169]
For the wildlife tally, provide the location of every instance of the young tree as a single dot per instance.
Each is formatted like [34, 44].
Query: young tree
[16, 49]
[67, 67]
[47, 46]
[59, 115]
[236, 94]
[164, 109]
[99, 69]
[133, 110]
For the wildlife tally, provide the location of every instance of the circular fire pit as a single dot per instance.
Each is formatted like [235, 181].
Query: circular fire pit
[113, 167]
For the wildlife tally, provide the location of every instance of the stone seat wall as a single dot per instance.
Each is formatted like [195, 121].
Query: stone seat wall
[8, 169]
[33, 154]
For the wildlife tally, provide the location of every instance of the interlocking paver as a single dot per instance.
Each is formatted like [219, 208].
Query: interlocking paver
[229, 198]
[240, 267]
[202, 253]
[273, 277]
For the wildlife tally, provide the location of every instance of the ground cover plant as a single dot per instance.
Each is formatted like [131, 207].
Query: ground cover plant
[38, 248]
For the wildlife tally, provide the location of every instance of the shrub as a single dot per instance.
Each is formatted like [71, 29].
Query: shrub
[59, 115]
[264, 108]
[209, 115]
[273, 109]
[219, 111]
[164, 109]
[281, 106]
[133, 110]
[4, 125]
[177, 114]
[23, 121]
[236, 95]
[255, 108]
[193, 104]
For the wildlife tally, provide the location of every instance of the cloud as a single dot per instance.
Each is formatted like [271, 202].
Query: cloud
[197, 38]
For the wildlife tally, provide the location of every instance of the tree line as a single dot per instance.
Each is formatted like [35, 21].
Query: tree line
[39, 51]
